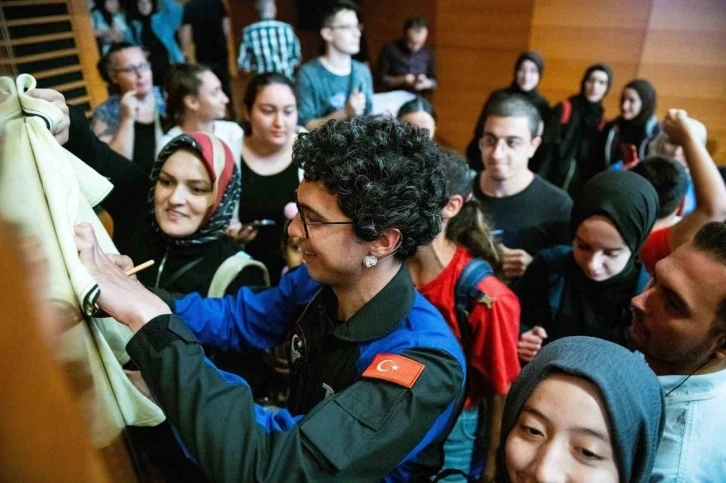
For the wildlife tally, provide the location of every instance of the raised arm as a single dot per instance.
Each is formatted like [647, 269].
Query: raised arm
[707, 181]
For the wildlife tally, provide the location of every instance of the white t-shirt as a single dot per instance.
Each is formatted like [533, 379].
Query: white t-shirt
[229, 132]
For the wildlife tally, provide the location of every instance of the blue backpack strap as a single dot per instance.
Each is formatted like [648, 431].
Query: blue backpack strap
[466, 292]
[556, 258]
[643, 279]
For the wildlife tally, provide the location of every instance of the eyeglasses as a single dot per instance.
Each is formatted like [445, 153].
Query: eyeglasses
[358, 27]
[135, 69]
[306, 223]
[514, 143]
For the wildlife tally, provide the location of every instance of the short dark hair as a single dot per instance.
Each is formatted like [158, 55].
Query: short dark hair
[668, 177]
[414, 23]
[255, 86]
[711, 239]
[515, 105]
[417, 104]
[104, 65]
[333, 9]
[183, 80]
[385, 175]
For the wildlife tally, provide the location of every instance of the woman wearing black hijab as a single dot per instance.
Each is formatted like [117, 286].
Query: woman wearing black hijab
[625, 139]
[527, 74]
[565, 156]
[584, 409]
[585, 289]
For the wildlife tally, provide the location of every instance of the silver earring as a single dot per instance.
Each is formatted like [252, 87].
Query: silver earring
[370, 261]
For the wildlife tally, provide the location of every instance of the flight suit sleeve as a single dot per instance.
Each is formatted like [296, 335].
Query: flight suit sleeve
[249, 319]
[360, 434]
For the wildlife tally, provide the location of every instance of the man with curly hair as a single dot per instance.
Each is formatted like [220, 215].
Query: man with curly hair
[377, 377]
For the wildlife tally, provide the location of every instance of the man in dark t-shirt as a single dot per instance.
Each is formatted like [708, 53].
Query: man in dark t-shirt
[207, 24]
[532, 213]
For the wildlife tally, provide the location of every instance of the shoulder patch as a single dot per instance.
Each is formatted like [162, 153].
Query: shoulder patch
[394, 368]
[486, 300]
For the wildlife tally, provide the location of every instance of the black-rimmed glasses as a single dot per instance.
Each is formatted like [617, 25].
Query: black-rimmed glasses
[135, 69]
[306, 222]
[358, 27]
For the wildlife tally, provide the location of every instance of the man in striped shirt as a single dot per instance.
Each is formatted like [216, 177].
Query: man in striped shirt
[269, 45]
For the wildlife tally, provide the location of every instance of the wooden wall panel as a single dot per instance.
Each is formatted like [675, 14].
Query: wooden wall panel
[476, 45]
[683, 55]
[571, 34]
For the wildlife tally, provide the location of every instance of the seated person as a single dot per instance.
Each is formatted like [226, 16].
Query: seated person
[568, 157]
[269, 177]
[531, 213]
[672, 231]
[195, 102]
[584, 409]
[528, 71]
[419, 112]
[585, 288]
[129, 121]
[377, 378]
[679, 326]
[180, 224]
[487, 325]
[334, 86]
[408, 63]
[624, 140]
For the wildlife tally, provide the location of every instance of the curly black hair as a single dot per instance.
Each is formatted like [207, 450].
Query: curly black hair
[385, 175]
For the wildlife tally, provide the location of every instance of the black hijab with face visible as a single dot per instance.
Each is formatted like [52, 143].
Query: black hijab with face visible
[533, 95]
[473, 152]
[635, 130]
[630, 393]
[602, 309]
[569, 144]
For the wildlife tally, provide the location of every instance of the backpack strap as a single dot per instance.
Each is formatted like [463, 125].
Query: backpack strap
[643, 279]
[230, 268]
[566, 112]
[466, 292]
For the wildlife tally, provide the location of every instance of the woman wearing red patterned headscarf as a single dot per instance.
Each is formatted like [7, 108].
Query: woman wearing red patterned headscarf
[177, 217]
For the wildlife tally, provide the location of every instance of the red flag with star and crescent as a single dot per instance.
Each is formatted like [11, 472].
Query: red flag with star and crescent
[394, 368]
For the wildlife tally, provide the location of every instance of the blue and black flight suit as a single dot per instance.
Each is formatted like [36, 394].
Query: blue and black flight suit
[341, 426]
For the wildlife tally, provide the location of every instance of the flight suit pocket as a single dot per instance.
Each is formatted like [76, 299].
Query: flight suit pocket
[344, 427]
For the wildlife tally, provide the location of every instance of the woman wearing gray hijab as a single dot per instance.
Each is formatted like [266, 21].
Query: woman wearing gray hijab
[584, 410]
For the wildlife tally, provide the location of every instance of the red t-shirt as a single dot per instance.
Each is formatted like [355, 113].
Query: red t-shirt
[493, 353]
[655, 248]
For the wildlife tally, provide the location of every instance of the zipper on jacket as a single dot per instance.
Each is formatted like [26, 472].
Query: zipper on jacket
[161, 268]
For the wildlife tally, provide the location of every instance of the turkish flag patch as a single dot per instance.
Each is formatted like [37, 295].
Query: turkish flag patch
[394, 368]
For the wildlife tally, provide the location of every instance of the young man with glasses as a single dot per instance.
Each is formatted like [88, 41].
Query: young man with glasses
[334, 86]
[377, 377]
[532, 213]
[128, 120]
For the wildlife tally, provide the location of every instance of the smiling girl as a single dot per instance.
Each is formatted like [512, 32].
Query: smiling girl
[585, 289]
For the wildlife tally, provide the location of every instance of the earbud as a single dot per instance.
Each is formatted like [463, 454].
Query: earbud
[370, 261]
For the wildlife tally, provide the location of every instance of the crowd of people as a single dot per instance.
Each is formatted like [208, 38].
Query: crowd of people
[548, 306]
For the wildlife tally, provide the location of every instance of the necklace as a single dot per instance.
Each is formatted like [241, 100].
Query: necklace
[688, 376]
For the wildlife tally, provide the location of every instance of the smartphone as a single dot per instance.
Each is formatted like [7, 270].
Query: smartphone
[498, 235]
[262, 223]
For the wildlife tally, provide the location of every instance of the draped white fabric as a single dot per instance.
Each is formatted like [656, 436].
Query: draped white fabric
[46, 191]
